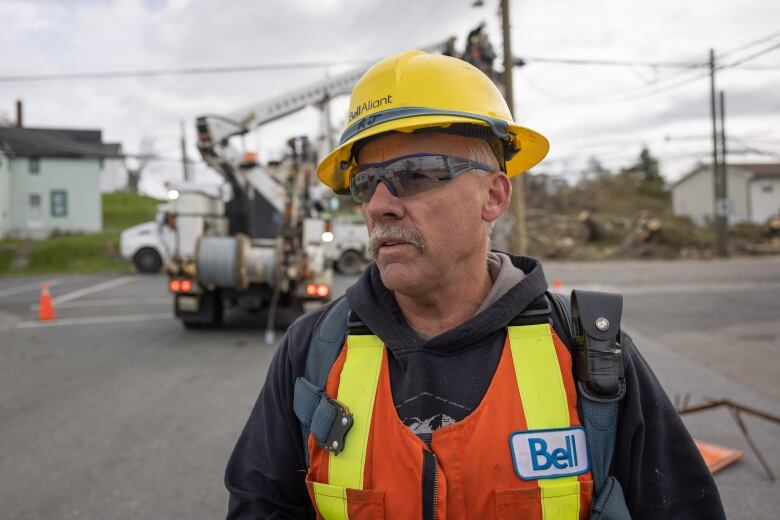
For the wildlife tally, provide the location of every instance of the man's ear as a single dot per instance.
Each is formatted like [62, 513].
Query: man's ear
[498, 195]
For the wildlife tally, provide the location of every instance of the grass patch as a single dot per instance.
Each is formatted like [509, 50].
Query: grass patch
[123, 210]
[8, 249]
[77, 254]
[85, 253]
[6, 257]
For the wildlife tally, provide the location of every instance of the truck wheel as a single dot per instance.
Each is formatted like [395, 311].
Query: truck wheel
[209, 315]
[350, 262]
[147, 260]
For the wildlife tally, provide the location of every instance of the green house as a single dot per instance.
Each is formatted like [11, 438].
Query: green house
[50, 181]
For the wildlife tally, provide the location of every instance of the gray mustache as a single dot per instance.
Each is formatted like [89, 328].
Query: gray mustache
[395, 233]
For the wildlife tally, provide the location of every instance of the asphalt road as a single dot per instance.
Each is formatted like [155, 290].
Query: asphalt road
[115, 411]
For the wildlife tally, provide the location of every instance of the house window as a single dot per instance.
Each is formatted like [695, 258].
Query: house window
[59, 203]
[767, 188]
[35, 164]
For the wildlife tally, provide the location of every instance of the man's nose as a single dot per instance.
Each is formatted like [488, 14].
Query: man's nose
[384, 205]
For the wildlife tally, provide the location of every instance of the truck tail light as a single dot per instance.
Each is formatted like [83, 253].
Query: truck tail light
[317, 290]
[180, 286]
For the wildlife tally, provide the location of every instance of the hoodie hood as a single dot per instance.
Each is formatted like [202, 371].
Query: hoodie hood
[377, 308]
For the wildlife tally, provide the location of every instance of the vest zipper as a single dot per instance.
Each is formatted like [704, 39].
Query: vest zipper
[435, 487]
[430, 485]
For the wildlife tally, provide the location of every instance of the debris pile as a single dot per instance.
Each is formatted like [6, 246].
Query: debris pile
[588, 235]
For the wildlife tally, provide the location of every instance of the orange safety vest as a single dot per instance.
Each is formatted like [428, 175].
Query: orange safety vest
[473, 468]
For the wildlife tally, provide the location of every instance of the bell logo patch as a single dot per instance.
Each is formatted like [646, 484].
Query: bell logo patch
[560, 452]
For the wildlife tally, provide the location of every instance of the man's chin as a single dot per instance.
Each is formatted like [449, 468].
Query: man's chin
[399, 277]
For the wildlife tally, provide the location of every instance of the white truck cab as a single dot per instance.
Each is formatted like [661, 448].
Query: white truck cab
[147, 245]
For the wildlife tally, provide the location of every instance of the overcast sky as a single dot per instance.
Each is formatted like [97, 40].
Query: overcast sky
[600, 111]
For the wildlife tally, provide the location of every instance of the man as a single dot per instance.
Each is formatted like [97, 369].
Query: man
[455, 389]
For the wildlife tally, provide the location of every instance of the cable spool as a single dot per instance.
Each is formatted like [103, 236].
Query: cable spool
[221, 261]
[234, 262]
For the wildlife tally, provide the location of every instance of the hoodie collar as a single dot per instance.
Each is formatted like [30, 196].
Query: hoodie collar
[377, 308]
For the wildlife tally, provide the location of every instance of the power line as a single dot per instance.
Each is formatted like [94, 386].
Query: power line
[615, 63]
[175, 72]
[751, 56]
[666, 88]
[643, 93]
[647, 91]
[706, 74]
[697, 77]
[750, 44]
[659, 64]
[629, 63]
[265, 67]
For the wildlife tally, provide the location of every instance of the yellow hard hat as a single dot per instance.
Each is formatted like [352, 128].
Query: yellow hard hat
[414, 90]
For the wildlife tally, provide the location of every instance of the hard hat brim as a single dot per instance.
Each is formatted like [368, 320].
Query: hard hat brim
[532, 146]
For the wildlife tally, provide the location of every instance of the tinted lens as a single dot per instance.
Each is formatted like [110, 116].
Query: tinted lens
[363, 185]
[403, 177]
[417, 174]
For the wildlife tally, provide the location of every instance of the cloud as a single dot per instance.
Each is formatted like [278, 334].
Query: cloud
[561, 101]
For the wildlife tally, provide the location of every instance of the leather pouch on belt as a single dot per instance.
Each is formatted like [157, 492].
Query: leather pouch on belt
[599, 356]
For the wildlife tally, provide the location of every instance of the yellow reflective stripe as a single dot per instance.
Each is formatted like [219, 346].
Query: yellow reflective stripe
[331, 501]
[539, 377]
[546, 406]
[357, 389]
[560, 498]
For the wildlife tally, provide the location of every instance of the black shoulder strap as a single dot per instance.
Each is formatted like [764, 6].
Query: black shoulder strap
[326, 342]
[326, 418]
[593, 320]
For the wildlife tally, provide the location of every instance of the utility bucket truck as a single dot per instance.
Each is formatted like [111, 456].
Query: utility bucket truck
[257, 242]
[254, 243]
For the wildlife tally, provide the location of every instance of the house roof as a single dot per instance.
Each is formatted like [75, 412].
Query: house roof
[754, 171]
[761, 171]
[56, 142]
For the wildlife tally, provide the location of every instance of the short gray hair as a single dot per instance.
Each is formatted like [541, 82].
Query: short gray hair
[479, 150]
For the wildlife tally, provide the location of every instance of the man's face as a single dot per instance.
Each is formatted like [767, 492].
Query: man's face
[421, 239]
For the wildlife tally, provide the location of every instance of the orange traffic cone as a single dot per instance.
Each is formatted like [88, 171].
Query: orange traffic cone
[558, 284]
[717, 457]
[46, 308]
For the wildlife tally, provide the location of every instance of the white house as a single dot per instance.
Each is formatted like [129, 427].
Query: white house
[5, 196]
[113, 175]
[50, 180]
[753, 193]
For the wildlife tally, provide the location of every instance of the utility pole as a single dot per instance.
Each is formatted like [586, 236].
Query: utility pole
[724, 194]
[185, 163]
[519, 241]
[720, 203]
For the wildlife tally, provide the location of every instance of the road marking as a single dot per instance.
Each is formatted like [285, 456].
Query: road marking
[27, 287]
[96, 320]
[102, 286]
[109, 302]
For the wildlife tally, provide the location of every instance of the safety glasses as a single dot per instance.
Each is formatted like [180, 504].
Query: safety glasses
[409, 175]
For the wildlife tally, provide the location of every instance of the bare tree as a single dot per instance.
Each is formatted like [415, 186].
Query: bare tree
[141, 161]
[5, 119]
